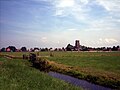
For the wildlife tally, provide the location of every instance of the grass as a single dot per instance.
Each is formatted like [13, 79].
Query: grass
[2, 59]
[14, 53]
[108, 79]
[103, 61]
[102, 67]
[18, 75]
[94, 61]
[105, 66]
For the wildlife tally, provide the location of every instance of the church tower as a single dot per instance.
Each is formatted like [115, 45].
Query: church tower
[77, 45]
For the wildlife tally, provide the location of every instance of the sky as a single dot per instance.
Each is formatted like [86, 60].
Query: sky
[56, 23]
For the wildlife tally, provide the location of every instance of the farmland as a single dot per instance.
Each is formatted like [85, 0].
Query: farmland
[95, 61]
[19, 75]
[105, 66]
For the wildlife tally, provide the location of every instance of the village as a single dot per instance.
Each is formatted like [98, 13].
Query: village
[69, 47]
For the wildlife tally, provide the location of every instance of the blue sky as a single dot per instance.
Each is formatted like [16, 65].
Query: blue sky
[55, 23]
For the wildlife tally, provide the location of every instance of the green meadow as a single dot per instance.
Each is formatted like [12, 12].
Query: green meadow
[105, 65]
[19, 75]
[92, 62]
[97, 64]
[95, 61]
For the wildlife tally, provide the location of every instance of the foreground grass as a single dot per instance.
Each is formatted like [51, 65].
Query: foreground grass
[17, 75]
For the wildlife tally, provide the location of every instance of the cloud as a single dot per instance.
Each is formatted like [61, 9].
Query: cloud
[107, 41]
[59, 22]
[102, 42]
[81, 10]
[74, 8]
[44, 39]
[65, 3]
[72, 29]
[110, 5]
[59, 12]
[85, 1]
[100, 39]
[107, 23]
[111, 40]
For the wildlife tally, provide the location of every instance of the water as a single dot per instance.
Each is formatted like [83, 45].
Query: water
[82, 83]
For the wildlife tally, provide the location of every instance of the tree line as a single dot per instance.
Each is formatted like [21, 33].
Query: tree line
[85, 48]
[68, 48]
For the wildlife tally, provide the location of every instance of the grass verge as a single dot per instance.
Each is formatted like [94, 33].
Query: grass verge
[18, 75]
[104, 80]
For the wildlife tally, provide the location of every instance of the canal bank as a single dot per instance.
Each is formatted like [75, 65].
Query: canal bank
[78, 82]
[45, 65]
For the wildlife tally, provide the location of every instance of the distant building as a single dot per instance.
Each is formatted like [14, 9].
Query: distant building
[70, 47]
[8, 49]
[77, 45]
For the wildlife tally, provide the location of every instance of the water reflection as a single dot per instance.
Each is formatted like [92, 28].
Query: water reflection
[82, 83]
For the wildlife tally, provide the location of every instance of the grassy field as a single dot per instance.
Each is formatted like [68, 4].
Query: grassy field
[103, 61]
[18, 75]
[105, 65]
[92, 61]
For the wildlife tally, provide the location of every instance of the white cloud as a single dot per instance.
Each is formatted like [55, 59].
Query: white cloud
[72, 29]
[110, 5]
[59, 12]
[106, 41]
[65, 3]
[111, 40]
[80, 9]
[85, 1]
[74, 8]
[105, 23]
[44, 39]
[100, 39]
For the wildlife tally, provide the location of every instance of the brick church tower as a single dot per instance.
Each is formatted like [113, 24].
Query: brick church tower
[77, 45]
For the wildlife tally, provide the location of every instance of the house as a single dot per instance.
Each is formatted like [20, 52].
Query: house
[8, 49]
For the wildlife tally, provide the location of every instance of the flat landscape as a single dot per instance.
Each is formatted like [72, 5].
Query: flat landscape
[59, 44]
[94, 62]
[98, 64]
[19, 75]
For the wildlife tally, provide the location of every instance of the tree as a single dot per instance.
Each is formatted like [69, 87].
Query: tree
[12, 48]
[3, 49]
[36, 49]
[118, 47]
[46, 49]
[42, 49]
[114, 48]
[23, 49]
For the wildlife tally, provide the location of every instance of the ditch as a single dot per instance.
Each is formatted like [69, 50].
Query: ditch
[78, 82]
